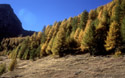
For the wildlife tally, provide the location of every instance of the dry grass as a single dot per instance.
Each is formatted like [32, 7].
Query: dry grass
[2, 68]
[12, 65]
[1, 59]
[79, 66]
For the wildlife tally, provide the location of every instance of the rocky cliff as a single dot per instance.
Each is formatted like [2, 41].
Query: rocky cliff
[10, 25]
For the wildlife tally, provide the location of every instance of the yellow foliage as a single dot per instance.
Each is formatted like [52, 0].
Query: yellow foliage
[72, 34]
[50, 34]
[92, 14]
[76, 35]
[100, 14]
[99, 9]
[48, 28]
[112, 36]
[43, 49]
[39, 36]
[118, 53]
[49, 47]
[58, 42]
[81, 35]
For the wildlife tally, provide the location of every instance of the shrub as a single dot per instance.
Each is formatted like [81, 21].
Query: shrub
[12, 65]
[118, 53]
[2, 68]
[1, 59]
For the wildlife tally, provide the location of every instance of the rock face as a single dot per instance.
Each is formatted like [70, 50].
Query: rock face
[10, 25]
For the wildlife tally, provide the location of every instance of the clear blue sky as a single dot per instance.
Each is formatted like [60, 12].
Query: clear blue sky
[34, 14]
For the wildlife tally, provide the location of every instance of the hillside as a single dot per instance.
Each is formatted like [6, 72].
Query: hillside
[79, 66]
[100, 33]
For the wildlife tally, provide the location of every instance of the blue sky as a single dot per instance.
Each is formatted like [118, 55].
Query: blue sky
[34, 14]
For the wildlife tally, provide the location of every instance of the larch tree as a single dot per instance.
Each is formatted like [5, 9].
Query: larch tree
[43, 49]
[59, 42]
[100, 34]
[81, 33]
[39, 36]
[88, 36]
[92, 14]
[49, 47]
[76, 35]
[112, 40]
[83, 21]
[123, 31]
[48, 28]
[74, 23]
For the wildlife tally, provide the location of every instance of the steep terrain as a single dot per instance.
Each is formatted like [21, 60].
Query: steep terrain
[10, 25]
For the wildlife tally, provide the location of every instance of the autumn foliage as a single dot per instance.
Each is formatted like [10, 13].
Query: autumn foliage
[99, 32]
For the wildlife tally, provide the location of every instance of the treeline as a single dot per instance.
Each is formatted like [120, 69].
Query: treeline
[99, 32]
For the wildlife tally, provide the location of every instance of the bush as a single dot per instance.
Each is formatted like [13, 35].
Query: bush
[2, 68]
[12, 65]
[118, 53]
[1, 59]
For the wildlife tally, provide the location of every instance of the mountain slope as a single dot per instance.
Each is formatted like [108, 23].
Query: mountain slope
[79, 66]
[99, 32]
[10, 25]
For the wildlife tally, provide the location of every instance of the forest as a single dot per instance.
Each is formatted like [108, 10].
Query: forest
[98, 32]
